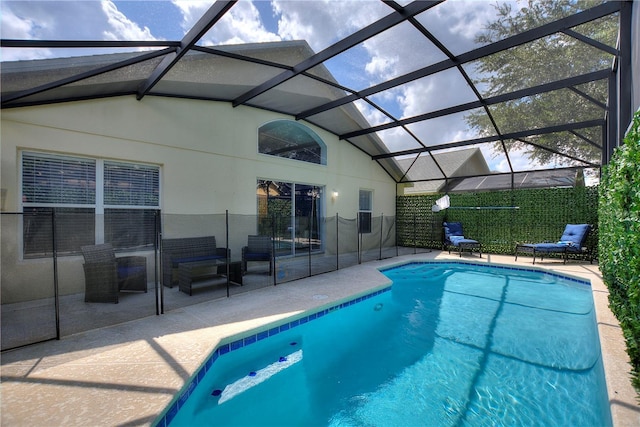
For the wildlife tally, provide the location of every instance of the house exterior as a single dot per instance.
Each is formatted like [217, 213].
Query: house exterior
[185, 156]
[467, 170]
[459, 163]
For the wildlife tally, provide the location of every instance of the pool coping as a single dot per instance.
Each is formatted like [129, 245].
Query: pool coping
[243, 339]
[129, 373]
[237, 341]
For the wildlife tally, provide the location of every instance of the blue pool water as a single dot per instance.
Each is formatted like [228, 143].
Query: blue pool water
[450, 344]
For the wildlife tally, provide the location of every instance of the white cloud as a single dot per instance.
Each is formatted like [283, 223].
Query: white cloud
[14, 26]
[17, 26]
[397, 51]
[397, 139]
[464, 20]
[241, 24]
[65, 20]
[298, 19]
[520, 161]
[442, 130]
[119, 27]
[381, 64]
[373, 116]
[191, 11]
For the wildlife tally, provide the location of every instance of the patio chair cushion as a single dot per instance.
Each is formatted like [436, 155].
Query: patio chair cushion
[453, 229]
[575, 234]
[547, 247]
[177, 261]
[257, 256]
[457, 240]
[454, 234]
[126, 271]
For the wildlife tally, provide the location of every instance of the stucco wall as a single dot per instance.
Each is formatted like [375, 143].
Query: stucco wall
[208, 156]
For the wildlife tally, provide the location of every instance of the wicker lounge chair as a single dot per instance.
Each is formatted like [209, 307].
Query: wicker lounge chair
[573, 241]
[105, 275]
[259, 248]
[454, 237]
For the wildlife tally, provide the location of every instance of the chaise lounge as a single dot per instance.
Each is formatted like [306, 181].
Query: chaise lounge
[454, 237]
[573, 241]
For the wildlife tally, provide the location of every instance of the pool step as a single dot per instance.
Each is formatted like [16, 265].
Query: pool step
[254, 378]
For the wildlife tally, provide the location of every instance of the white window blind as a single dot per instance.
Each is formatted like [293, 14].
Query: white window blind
[128, 184]
[59, 180]
[365, 206]
[366, 200]
[137, 187]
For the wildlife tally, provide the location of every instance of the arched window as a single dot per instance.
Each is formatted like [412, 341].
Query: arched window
[291, 140]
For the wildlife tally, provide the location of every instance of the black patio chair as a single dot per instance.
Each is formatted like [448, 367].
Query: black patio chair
[105, 275]
[259, 248]
[454, 237]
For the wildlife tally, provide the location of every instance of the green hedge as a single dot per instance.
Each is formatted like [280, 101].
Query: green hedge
[541, 215]
[620, 243]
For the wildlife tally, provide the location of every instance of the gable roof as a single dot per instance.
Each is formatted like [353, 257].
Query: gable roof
[467, 171]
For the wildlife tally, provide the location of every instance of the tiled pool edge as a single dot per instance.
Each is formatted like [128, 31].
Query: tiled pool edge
[625, 410]
[623, 398]
[564, 276]
[241, 340]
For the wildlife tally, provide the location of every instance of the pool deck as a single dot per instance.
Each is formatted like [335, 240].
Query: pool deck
[125, 375]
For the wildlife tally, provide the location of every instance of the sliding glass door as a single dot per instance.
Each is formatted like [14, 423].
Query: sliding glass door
[291, 213]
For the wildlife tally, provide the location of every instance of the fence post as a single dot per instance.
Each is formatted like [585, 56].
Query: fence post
[395, 223]
[415, 243]
[273, 247]
[228, 254]
[310, 227]
[156, 246]
[161, 264]
[337, 244]
[55, 271]
[358, 238]
[381, 233]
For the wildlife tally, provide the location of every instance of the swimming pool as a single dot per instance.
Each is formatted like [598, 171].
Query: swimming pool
[451, 343]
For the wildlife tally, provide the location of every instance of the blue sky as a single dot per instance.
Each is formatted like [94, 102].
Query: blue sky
[162, 17]
[321, 23]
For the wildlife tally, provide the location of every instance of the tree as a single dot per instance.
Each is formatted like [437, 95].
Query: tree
[545, 60]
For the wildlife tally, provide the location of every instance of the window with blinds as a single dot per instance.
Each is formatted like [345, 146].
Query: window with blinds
[128, 189]
[128, 184]
[49, 179]
[365, 206]
[66, 186]
[365, 200]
